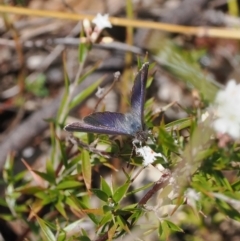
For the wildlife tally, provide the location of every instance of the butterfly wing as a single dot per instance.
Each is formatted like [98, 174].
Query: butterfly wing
[138, 94]
[111, 123]
[114, 123]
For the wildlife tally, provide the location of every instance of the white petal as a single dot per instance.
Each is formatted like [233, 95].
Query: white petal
[101, 21]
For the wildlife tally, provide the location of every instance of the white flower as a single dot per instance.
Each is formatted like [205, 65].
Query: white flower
[228, 110]
[204, 116]
[101, 21]
[192, 197]
[100, 92]
[149, 156]
[190, 193]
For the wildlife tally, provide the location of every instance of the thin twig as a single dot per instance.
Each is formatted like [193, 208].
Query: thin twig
[69, 41]
[116, 78]
[229, 33]
[103, 237]
[162, 182]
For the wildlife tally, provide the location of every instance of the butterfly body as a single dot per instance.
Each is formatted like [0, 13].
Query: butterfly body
[114, 123]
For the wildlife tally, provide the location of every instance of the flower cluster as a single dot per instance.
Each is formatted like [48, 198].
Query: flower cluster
[227, 108]
[149, 156]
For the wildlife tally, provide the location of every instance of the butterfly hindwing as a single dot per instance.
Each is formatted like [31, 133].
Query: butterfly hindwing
[111, 123]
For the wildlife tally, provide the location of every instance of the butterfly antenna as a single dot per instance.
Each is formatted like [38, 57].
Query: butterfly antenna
[116, 78]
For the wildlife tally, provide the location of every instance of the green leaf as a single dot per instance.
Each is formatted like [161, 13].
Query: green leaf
[100, 194]
[30, 189]
[221, 180]
[7, 217]
[60, 207]
[54, 156]
[64, 153]
[11, 198]
[73, 203]
[84, 232]
[3, 202]
[236, 185]
[86, 168]
[122, 223]
[228, 210]
[141, 188]
[173, 226]
[47, 233]
[166, 139]
[8, 168]
[90, 215]
[73, 227]
[46, 176]
[201, 184]
[178, 124]
[107, 208]
[105, 187]
[136, 215]
[90, 71]
[84, 238]
[120, 192]
[50, 171]
[83, 50]
[85, 93]
[163, 230]
[233, 8]
[68, 184]
[61, 236]
[19, 176]
[106, 218]
[48, 197]
[72, 165]
[201, 155]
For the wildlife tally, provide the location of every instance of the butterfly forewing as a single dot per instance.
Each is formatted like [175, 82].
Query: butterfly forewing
[112, 120]
[138, 94]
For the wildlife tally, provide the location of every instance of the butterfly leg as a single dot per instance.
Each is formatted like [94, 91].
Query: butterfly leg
[90, 147]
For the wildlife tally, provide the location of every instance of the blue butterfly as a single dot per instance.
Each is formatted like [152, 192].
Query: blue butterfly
[114, 123]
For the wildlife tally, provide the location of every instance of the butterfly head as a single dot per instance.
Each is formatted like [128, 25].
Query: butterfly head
[141, 136]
